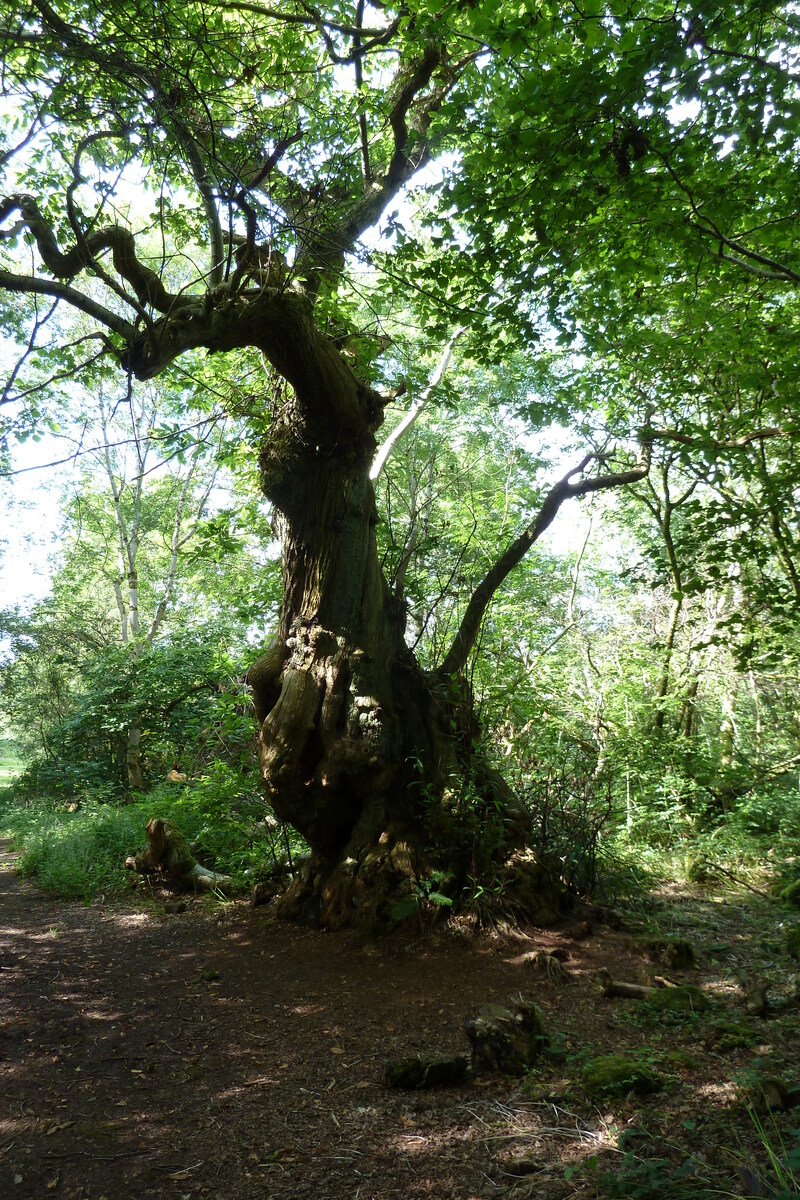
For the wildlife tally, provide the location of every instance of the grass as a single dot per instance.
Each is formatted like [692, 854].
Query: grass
[80, 854]
[783, 1156]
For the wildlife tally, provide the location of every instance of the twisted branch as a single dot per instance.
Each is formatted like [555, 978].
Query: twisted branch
[325, 249]
[145, 282]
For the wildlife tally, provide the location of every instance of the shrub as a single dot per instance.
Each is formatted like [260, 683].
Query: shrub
[569, 812]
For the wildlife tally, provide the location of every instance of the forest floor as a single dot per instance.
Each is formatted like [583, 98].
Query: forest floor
[218, 1053]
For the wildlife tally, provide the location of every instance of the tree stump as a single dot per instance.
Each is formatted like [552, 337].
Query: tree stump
[507, 1037]
[168, 853]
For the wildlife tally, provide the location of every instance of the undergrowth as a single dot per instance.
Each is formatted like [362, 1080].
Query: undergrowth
[78, 850]
[773, 1171]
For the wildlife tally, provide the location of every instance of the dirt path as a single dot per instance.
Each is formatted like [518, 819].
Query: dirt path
[216, 1053]
[219, 1054]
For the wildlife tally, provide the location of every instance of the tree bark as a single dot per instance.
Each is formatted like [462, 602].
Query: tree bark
[133, 758]
[663, 508]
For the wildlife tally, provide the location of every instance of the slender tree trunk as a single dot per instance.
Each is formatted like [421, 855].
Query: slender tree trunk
[757, 756]
[662, 689]
[685, 724]
[726, 788]
[663, 507]
[133, 759]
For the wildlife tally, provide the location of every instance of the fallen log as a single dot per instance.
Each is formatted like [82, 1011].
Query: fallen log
[418, 1073]
[168, 854]
[615, 987]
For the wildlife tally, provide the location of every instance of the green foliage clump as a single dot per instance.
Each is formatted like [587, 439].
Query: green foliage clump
[228, 823]
[657, 1179]
[569, 811]
[80, 854]
[790, 894]
[615, 1075]
[426, 896]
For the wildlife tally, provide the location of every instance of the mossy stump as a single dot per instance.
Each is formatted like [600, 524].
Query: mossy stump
[673, 952]
[507, 1037]
[168, 854]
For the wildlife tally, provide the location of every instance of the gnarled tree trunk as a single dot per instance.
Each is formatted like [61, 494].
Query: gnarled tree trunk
[370, 758]
[354, 740]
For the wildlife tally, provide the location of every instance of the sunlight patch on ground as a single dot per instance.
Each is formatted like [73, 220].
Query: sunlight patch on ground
[96, 1014]
[25, 935]
[718, 1093]
[433, 1140]
[130, 920]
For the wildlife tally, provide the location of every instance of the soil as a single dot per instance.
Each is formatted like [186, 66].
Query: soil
[219, 1053]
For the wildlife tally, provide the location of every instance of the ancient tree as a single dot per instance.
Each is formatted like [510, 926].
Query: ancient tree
[197, 177]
